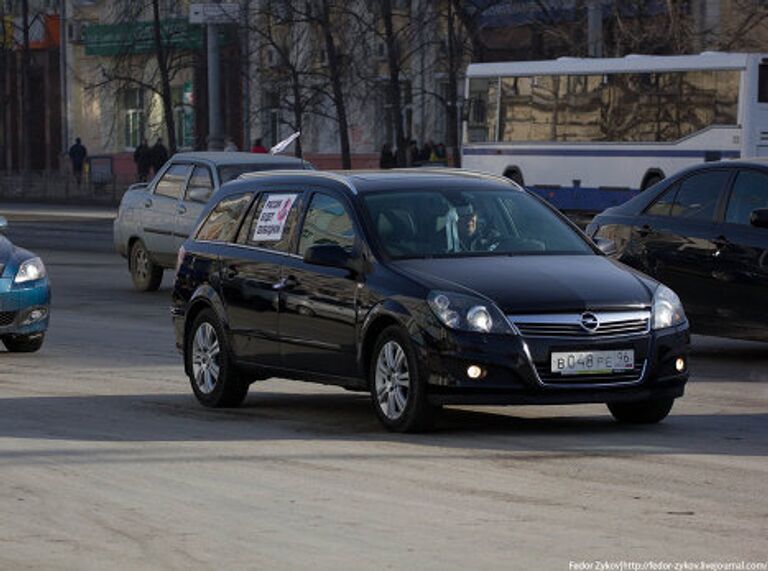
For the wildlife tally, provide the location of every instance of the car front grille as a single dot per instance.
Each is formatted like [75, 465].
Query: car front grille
[585, 325]
[7, 318]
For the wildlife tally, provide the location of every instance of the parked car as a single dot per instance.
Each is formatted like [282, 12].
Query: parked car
[155, 218]
[25, 296]
[704, 233]
[424, 288]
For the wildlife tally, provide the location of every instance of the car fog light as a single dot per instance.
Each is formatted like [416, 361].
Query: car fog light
[474, 372]
[680, 364]
[34, 316]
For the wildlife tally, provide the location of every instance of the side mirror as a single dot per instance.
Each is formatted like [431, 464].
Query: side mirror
[199, 194]
[3, 224]
[759, 218]
[329, 255]
[607, 247]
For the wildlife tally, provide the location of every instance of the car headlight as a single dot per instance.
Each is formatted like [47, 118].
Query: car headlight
[30, 270]
[467, 313]
[667, 309]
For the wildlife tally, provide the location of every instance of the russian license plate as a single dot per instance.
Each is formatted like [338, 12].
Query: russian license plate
[593, 362]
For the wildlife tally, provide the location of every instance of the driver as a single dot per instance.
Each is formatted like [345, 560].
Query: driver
[471, 237]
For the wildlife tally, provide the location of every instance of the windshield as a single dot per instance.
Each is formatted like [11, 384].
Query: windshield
[459, 223]
[231, 172]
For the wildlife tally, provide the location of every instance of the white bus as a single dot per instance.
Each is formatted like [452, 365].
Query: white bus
[590, 133]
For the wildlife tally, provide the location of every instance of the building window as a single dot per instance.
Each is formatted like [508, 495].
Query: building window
[133, 117]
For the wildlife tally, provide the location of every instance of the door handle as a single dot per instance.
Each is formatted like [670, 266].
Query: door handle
[147, 203]
[644, 230]
[286, 283]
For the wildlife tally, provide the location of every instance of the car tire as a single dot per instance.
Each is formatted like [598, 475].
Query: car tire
[215, 380]
[398, 392]
[24, 343]
[641, 412]
[146, 275]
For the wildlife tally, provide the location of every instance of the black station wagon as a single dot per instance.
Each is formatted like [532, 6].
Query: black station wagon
[424, 288]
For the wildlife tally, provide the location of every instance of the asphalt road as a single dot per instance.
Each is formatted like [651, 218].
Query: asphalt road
[107, 461]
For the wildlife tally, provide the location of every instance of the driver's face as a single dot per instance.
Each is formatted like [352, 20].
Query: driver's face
[468, 224]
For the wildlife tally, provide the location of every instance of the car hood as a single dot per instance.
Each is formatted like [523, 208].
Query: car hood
[530, 284]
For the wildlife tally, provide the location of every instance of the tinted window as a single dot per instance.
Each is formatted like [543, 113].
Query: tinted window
[663, 205]
[223, 221]
[464, 222]
[274, 220]
[201, 178]
[750, 192]
[173, 181]
[327, 222]
[697, 195]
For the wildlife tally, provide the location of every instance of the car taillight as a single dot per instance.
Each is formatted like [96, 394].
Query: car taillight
[180, 258]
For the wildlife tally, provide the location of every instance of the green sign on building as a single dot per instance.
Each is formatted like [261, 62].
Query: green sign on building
[138, 37]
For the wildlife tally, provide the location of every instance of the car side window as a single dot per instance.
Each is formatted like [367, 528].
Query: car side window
[274, 221]
[662, 206]
[223, 221]
[697, 195]
[750, 192]
[200, 185]
[172, 181]
[326, 222]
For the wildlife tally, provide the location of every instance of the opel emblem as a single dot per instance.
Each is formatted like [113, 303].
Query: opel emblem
[589, 322]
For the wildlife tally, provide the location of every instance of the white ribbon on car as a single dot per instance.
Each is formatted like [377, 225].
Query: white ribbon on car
[452, 230]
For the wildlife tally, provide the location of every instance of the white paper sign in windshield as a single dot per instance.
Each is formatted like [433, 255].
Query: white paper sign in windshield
[272, 218]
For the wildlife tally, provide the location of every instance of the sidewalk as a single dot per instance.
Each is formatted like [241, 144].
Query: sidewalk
[30, 212]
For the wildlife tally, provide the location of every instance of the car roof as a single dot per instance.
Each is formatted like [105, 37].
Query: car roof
[224, 158]
[361, 182]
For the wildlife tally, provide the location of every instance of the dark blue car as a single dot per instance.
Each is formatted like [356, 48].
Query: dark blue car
[25, 296]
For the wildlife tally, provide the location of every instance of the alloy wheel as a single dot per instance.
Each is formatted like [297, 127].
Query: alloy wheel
[392, 380]
[205, 358]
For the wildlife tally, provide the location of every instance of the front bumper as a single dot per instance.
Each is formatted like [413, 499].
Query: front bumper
[515, 368]
[18, 302]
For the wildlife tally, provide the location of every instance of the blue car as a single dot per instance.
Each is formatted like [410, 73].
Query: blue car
[25, 297]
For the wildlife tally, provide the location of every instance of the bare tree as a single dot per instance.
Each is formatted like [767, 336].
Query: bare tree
[137, 65]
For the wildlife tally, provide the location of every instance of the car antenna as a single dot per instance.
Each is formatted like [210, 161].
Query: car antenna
[282, 145]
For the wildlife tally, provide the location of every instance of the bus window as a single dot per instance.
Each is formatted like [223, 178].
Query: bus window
[482, 119]
[762, 83]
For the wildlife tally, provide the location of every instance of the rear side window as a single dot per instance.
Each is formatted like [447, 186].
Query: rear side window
[274, 220]
[750, 192]
[327, 222]
[202, 182]
[223, 221]
[173, 181]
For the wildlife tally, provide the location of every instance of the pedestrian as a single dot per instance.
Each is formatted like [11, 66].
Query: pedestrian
[77, 154]
[412, 154]
[229, 145]
[387, 160]
[257, 147]
[440, 151]
[142, 156]
[158, 155]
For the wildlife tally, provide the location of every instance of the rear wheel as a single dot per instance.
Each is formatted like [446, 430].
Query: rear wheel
[641, 412]
[398, 392]
[215, 379]
[146, 275]
[24, 343]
